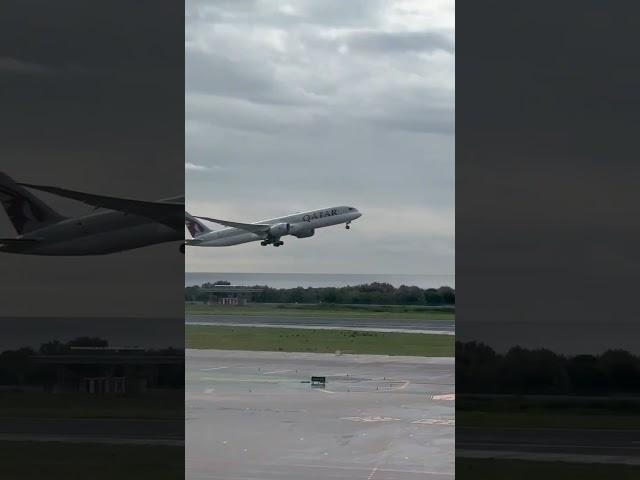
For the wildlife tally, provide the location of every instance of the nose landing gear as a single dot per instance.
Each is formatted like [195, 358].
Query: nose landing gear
[347, 226]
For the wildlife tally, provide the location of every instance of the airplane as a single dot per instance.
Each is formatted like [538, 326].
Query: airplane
[268, 232]
[125, 225]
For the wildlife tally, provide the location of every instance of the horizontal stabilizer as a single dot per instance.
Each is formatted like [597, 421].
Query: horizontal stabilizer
[249, 227]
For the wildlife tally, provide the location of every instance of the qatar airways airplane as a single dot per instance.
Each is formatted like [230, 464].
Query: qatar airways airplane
[268, 232]
[119, 224]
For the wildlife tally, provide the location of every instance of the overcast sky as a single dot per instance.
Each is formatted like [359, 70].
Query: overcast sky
[301, 105]
[97, 107]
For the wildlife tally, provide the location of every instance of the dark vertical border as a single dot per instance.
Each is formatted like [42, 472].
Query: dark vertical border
[548, 358]
[92, 97]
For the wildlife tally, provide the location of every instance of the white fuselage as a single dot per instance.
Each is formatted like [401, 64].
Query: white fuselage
[300, 225]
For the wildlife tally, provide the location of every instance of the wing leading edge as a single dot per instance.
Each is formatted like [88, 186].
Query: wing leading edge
[166, 212]
[249, 227]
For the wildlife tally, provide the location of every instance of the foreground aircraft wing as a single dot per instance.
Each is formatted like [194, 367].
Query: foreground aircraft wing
[18, 241]
[249, 227]
[166, 212]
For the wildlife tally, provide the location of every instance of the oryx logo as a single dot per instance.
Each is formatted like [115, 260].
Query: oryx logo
[19, 209]
[321, 214]
[194, 227]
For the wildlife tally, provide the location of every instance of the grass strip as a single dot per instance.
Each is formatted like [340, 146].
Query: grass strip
[318, 341]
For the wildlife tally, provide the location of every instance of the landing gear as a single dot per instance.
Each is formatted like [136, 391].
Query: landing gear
[347, 226]
[275, 243]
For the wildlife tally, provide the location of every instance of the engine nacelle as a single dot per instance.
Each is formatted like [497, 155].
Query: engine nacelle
[279, 229]
[301, 231]
[304, 233]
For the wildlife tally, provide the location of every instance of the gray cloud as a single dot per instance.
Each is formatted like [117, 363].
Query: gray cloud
[305, 104]
[11, 65]
[393, 42]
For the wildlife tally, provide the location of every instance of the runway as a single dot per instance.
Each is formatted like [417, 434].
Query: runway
[561, 444]
[250, 415]
[443, 327]
[93, 430]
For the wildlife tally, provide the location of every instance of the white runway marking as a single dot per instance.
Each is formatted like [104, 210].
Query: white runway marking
[278, 371]
[209, 390]
[449, 396]
[324, 327]
[373, 472]
[434, 421]
[370, 419]
[212, 368]
[404, 385]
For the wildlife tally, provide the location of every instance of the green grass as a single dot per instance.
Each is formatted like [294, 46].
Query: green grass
[319, 341]
[339, 311]
[473, 468]
[65, 461]
[78, 405]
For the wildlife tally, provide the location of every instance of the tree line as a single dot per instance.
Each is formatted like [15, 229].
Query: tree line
[367, 294]
[479, 369]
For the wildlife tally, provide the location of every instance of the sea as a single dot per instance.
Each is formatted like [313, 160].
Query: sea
[292, 280]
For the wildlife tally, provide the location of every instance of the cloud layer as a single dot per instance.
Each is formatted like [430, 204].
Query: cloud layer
[308, 104]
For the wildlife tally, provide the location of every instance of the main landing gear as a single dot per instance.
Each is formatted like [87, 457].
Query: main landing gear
[347, 226]
[277, 243]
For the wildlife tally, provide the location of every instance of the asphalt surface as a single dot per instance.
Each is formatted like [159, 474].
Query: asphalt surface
[390, 325]
[250, 415]
[568, 444]
[116, 431]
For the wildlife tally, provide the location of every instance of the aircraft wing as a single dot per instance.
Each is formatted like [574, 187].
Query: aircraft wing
[249, 227]
[167, 212]
[18, 241]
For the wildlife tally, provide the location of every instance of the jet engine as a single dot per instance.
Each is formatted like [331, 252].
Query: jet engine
[301, 231]
[279, 229]
[304, 233]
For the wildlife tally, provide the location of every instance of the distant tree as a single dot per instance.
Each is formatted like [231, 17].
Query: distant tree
[53, 348]
[378, 293]
[88, 342]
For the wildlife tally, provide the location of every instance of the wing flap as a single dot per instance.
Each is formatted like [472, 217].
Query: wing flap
[249, 227]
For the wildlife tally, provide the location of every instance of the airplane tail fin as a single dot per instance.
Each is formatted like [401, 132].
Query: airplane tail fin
[26, 211]
[195, 226]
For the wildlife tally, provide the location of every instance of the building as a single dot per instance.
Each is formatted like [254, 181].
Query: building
[230, 294]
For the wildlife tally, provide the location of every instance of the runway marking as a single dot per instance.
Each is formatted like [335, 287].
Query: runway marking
[209, 390]
[434, 421]
[373, 472]
[325, 390]
[370, 419]
[212, 368]
[325, 327]
[448, 396]
[404, 385]
[278, 371]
